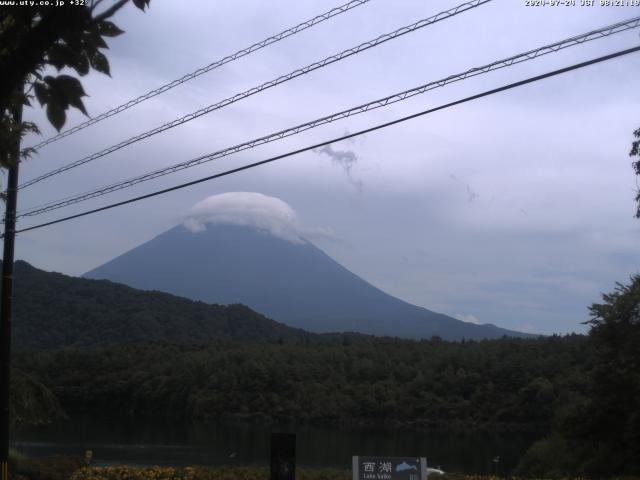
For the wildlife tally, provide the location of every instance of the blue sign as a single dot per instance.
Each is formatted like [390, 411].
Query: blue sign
[389, 468]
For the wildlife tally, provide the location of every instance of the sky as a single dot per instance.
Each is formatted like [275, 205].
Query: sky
[516, 209]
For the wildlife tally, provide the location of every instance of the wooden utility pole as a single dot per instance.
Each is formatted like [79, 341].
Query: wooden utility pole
[6, 295]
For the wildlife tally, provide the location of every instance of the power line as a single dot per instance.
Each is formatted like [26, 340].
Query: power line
[218, 63]
[397, 97]
[344, 137]
[272, 83]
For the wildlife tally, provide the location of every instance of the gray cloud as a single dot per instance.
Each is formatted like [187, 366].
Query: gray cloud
[345, 159]
[471, 195]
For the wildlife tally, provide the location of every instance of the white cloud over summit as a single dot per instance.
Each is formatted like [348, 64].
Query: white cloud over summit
[251, 209]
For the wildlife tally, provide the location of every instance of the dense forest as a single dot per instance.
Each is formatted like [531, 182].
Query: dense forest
[112, 350]
[52, 310]
[509, 383]
[544, 385]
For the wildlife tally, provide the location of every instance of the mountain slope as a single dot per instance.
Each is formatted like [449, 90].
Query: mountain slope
[296, 284]
[52, 310]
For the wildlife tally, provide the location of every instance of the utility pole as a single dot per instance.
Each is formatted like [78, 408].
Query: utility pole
[6, 294]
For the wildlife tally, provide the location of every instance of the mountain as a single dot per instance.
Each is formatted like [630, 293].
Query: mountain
[292, 282]
[52, 310]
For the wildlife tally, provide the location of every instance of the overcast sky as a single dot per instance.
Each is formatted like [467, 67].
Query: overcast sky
[516, 209]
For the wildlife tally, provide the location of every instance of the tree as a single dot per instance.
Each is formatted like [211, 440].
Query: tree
[34, 40]
[32, 403]
[635, 152]
[598, 434]
[612, 422]
[37, 39]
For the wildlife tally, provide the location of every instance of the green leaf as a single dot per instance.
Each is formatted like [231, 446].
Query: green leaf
[25, 98]
[100, 63]
[42, 92]
[75, 54]
[141, 4]
[56, 115]
[97, 39]
[61, 55]
[81, 64]
[70, 85]
[77, 102]
[65, 90]
[30, 127]
[27, 153]
[57, 95]
[91, 42]
[109, 29]
[58, 56]
[73, 91]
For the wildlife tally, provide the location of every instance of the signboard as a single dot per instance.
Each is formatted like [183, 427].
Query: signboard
[389, 468]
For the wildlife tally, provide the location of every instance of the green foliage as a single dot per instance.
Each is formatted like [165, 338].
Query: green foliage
[597, 430]
[201, 473]
[57, 94]
[53, 310]
[635, 152]
[12, 132]
[31, 403]
[131, 352]
[35, 39]
[547, 458]
[109, 29]
[14, 459]
[59, 467]
[374, 380]
[247, 473]
[612, 422]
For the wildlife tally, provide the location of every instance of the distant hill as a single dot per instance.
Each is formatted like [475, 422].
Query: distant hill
[52, 310]
[293, 283]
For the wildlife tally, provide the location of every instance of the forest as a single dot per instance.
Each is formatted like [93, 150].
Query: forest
[530, 385]
[508, 384]
[52, 310]
[114, 351]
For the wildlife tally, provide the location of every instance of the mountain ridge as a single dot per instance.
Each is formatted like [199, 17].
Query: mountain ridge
[294, 283]
[53, 310]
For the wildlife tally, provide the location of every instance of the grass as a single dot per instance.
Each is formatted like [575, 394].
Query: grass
[45, 468]
[73, 468]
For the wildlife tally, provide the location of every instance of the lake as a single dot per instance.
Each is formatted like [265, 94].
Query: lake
[162, 442]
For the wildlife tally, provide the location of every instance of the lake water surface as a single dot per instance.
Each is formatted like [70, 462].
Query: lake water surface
[175, 443]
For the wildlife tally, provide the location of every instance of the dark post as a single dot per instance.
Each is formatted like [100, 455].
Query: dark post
[283, 456]
[6, 297]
